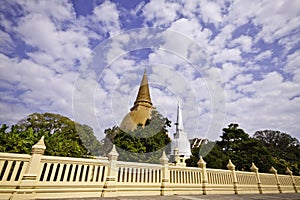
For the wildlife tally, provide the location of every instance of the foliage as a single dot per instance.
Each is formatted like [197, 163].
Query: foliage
[237, 145]
[17, 142]
[210, 152]
[285, 149]
[63, 137]
[243, 150]
[216, 158]
[89, 140]
[266, 148]
[144, 144]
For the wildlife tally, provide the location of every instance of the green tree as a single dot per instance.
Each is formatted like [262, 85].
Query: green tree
[237, 145]
[144, 144]
[285, 149]
[242, 150]
[17, 142]
[89, 140]
[211, 153]
[62, 136]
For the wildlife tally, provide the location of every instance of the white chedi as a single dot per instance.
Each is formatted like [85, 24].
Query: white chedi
[180, 145]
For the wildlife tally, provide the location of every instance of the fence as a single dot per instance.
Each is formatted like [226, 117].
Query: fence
[39, 176]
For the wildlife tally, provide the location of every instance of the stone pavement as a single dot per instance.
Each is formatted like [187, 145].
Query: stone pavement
[292, 196]
[288, 196]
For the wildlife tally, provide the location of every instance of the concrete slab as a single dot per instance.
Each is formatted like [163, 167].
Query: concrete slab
[287, 196]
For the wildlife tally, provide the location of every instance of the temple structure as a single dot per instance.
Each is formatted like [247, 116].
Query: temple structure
[180, 146]
[141, 110]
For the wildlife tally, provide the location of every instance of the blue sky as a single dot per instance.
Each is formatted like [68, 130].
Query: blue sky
[224, 61]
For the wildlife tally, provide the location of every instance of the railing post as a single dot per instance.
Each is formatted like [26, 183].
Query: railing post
[289, 172]
[26, 189]
[202, 164]
[230, 166]
[165, 179]
[254, 169]
[274, 171]
[109, 189]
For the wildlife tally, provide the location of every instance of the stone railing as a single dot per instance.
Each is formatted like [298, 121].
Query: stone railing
[38, 176]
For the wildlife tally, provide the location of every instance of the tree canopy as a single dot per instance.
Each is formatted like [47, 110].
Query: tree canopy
[284, 149]
[266, 148]
[144, 144]
[63, 137]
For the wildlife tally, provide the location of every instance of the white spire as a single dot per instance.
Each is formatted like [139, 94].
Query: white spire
[180, 137]
[179, 123]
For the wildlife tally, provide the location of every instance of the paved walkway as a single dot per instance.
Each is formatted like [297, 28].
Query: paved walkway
[290, 196]
[293, 196]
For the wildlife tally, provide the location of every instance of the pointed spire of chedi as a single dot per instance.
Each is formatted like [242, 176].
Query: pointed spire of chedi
[143, 96]
[179, 122]
[180, 140]
[141, 110]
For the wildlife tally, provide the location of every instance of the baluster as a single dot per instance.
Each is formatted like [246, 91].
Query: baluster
[16, 169]
[7, 170]
[274, 171]
[66, 174]
[53, 172]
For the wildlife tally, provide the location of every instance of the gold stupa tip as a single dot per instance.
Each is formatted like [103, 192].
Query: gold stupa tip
[144, 92]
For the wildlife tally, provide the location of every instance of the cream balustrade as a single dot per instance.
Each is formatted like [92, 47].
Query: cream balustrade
[286, 183]
[72, 170]
[219, 177]
[12, 169]
[297, 183]
[247, 182]
[245, 178]
[138, 173]
[71, 177]
[184, 180]
[138, 178]
[184, 175]
[219, 181]
[38, 176]
[268, 183]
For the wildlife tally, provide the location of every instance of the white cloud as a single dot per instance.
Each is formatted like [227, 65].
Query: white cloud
[284, 19]
[293, 65]
[6, 43]
[192, 29]
[264, 55]
[264, 104]
[219, 42]
[108, 16]
[37, 88]
[45, 81]
[52, 44]
[190, 8]
[245, 43]
[45, 38]
[161, 13]
[293, 61]
[229, 71]
[58, 10]
[228, 55]
[276, 19]
[211, 12]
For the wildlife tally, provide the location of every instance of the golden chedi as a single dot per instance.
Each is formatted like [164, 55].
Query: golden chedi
[141, 110]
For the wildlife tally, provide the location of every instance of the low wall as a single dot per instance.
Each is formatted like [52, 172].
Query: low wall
[38, 176]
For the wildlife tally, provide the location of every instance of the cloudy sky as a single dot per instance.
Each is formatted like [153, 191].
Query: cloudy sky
[224, 61]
